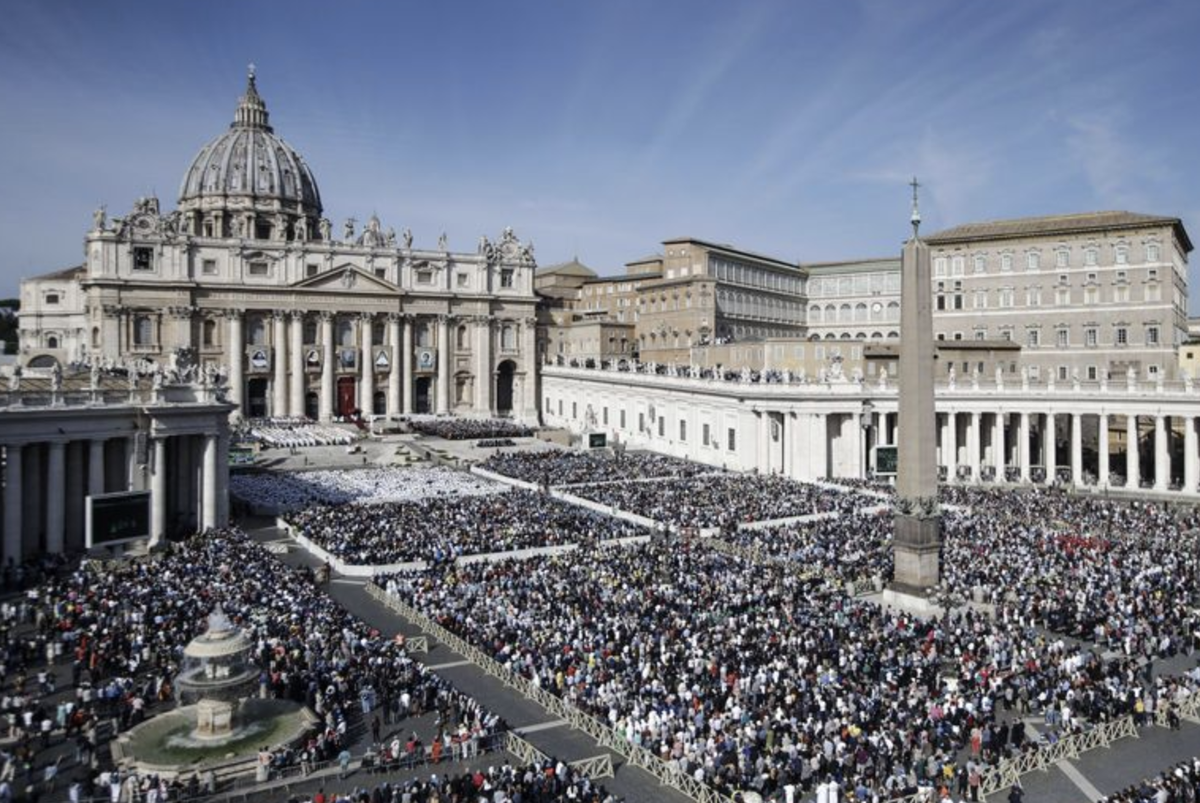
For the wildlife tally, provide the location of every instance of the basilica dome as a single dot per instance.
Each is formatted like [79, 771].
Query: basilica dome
[248, 167]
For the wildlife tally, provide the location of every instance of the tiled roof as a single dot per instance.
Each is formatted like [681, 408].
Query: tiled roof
[1055, 224]
[65, 273]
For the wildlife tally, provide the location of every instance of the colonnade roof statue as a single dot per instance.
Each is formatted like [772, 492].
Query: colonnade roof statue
[917, 522]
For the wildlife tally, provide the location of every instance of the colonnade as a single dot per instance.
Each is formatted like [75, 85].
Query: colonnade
[56, 457]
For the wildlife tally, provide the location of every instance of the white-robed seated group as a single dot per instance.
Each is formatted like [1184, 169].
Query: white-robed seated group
[287, 433]
[285, 492]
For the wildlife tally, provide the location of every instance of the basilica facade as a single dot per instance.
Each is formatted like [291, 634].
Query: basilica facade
[247, 276]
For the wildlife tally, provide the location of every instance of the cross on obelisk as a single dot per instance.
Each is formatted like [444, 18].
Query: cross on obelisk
[916, 521]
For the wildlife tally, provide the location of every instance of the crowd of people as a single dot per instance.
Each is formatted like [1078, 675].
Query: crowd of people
[289, 433]
[721, 500]
[576, 468]
[546, 782]
[441, 529]
[849, 548]
[467, 429]
[749, 675]
[123, 628]
[291, 491]
[1178, 784]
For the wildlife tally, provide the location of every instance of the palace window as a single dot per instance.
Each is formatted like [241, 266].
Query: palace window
[311, 269]
[1121, 338]
[1151, 335]
[51, 299]
[1152, 252]
[208, 267]
[143, 330]
[732, 439]
[259, 268]
[506, 277]
[1090, 336]
[143, 259]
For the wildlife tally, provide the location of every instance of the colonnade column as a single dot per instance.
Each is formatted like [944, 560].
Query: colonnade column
[236, 349]
[1102, 467]
[529, 405]
[1023, 456]
[326, 407]
[296, 358]
[13, 498]
[1077, 449]
[366, 401]
[56, 485]
[998, 445]
[1162, 458]
[279, 394]
[1190, 464]
[158, 491]
[396, 366]
[95, 485]
[406, 365]
[1132, 469]
[1049, 445]
[951, 448]
[761, 462]
[443, 360]
[973, 445]
[208, 517]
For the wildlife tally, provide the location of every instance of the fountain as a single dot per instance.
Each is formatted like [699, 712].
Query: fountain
[219, 724]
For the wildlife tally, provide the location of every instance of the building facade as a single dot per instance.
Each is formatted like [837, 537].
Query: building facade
[246, 273]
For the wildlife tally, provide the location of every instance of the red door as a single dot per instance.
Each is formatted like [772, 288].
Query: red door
[345, 387]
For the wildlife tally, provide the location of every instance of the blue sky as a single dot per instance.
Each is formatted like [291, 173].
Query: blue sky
[599, 129]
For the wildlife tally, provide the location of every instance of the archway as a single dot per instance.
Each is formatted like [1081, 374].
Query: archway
[43, 361]
[312, 405]
[423, 403]
[504, 386]
[379, 403]
[256, 398]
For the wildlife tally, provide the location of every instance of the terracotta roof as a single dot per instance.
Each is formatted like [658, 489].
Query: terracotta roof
[572, 268]
[1056, 224]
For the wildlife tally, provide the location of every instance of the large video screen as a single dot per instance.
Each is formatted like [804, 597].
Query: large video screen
[113, 518]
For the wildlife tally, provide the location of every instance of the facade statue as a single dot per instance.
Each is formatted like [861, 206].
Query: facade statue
[56, 378]
[94, 375]
[300, 230]
[407, 238]
[390, 238]
[442, 242]
[348, 230]
[326, 229]
[14, 379]
[99, 219]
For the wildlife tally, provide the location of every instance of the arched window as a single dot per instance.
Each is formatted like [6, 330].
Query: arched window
[508, 337]
[814, 314]
[310, 331]
[208, 332]
[345, 332]
[95, 337]
[52, 341]
[422, 333]
[845, 315]
[860, 312]
[461, 338]
[377, 332]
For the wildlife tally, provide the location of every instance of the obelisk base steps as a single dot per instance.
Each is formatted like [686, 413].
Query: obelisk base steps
[916, 544]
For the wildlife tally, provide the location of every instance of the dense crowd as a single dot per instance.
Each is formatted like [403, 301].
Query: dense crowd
[547, 782]
[721, 500]
[849, 548]
[749, 676]
[290, 433]
[296, 490]
[465, 429]
[123, 629]
[1178, 784]
[442, 529]
[576, 468]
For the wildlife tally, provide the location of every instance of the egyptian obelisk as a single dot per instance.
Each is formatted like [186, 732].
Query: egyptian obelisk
[917, 521]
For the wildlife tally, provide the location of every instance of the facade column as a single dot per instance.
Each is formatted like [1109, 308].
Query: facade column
[1077, 449]
[443, 363]
[158, 491]
[208, 518]
[1102, 467]
[1162, 458]
[764, 439]
[279, 390]
[1191, 466]
[529, 404]
[56, 485]
[134, 478]
[235, 349]
[405, 364]
[1049, 456]
[394, 366]
[1023, 456]
[296, 360]
[13, 497]
[1132, 467]
[483, 365]
[973, 446]
[366, 386]
[998, 445]
[326, 407]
